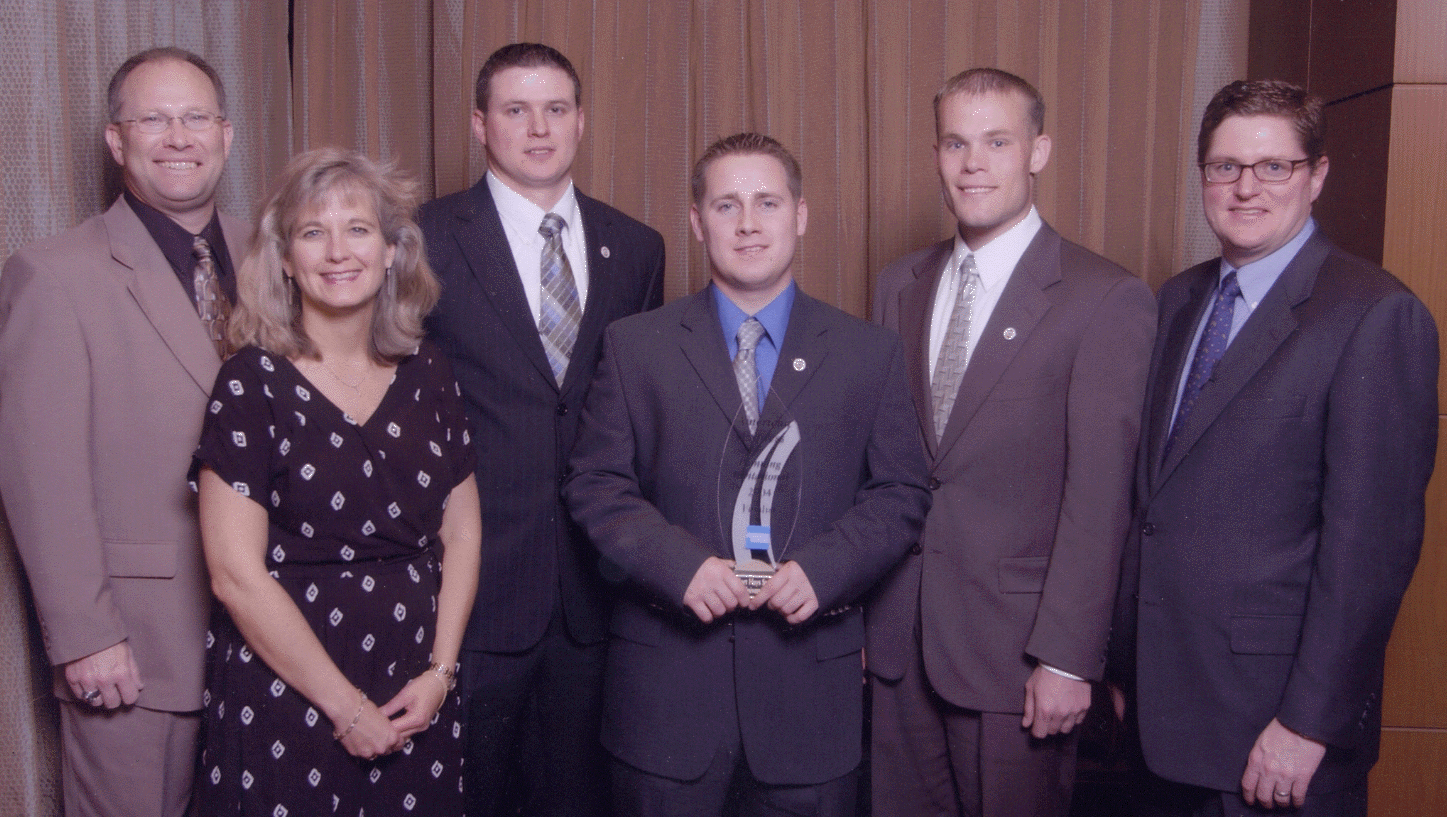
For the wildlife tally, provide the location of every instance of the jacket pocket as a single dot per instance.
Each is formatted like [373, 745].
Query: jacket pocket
[1265, 635]
[140, 560]
[1023, 574]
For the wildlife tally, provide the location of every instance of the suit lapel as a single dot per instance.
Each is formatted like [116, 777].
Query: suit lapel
[1020, 308]
[601, 294]
[482, 242]
[703, 345]
[802, 354]
[916, 303]
[1261, 335]
[1176, 351]
[149, 278]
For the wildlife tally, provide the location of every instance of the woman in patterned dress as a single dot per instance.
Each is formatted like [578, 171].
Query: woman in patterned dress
[333, 471]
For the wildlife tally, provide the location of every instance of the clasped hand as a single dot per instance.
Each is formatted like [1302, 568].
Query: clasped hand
[381, 730]
[715, 590]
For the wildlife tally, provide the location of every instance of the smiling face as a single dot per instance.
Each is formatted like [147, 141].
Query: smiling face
[531, 130]
[1252, 218]
[337, 255]
[750, 224]
[986, 152]
[175, 171]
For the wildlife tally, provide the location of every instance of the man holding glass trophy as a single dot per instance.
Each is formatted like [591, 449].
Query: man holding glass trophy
[748, 465]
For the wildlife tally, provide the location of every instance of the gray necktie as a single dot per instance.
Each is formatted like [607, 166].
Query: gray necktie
[955, 351]
[211, 303]
[561, 312]
[746, 372]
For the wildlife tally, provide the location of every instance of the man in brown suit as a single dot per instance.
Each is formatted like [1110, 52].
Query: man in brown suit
[1027, 357]
[105, 367]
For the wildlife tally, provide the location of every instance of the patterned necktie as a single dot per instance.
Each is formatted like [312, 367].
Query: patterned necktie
[211, 303]
[746, 371]
[955, 351]
[1208, 353]
[561, 312]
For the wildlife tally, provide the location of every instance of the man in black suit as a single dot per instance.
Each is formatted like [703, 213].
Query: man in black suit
[801, 459]
[1289, 433]
[532, 272]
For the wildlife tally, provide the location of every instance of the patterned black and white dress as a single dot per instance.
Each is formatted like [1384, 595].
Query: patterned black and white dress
[354, 516]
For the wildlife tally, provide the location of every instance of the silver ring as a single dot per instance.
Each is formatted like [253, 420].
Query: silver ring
[1283, 794]
[91, 696]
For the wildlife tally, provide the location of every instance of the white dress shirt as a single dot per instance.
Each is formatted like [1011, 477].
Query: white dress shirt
[994, 262]
[520, 222]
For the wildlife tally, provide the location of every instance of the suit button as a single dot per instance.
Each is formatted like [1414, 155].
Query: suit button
[916, 549]
[934, 483]
[562, 410]
[1148, 529]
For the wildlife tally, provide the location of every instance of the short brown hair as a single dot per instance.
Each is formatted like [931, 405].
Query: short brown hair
[268, 311]
[747, 144]
[113, 91]
[1266, 97]
[523, 55]
[981, 81]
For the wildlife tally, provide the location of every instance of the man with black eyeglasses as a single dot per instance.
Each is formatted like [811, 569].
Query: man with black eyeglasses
[1289, 432]
[111, 335]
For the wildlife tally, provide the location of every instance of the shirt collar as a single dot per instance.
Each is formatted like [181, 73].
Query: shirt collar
[522, 214]
[1257, 277]
[774, 316]
[175, 241]
[997, 259]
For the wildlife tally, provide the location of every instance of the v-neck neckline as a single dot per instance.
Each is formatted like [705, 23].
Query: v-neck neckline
[313, 388]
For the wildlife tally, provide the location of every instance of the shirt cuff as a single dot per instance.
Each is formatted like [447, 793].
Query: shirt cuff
[1062, 673]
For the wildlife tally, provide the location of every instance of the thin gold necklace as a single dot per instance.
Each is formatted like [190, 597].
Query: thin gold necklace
[355, 387]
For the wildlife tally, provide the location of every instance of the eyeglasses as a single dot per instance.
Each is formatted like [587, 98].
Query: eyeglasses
[157, 122]
[1271, 171]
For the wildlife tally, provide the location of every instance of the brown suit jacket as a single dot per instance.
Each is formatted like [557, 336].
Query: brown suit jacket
[1020, 554]
[104, 375]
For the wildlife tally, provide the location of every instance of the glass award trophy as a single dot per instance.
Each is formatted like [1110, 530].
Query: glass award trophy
[765, 504]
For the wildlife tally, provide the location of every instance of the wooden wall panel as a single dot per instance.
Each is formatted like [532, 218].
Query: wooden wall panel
[1409, 779]
[1421, 32]
[1416, 661]
[1350, 209]
[1415, 244]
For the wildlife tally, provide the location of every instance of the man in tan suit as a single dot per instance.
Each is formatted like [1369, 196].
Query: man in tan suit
[1027, 357]
[106, 360]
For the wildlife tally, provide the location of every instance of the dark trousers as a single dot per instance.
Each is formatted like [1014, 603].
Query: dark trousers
[533, 720]
[931, 758]
[1164, 798]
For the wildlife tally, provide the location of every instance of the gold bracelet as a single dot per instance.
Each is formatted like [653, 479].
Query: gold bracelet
[444, 674]
[353, 725]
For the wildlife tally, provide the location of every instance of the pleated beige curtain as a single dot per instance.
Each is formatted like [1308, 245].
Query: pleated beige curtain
[58, 57]
[846, 85]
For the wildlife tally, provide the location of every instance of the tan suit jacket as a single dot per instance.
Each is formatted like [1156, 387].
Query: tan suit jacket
[104, 375]
[1020, 554]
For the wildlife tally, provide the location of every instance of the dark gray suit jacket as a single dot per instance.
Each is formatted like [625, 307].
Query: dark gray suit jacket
[1032, 479]
[523, 424]
[658, 463]
[1271, 548]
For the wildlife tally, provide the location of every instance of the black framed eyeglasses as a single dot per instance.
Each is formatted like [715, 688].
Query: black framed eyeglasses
[1271, 171]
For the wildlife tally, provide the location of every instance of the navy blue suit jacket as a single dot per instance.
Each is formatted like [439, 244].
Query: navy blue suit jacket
[659, 461]
[533, 557]
[1272, 547]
